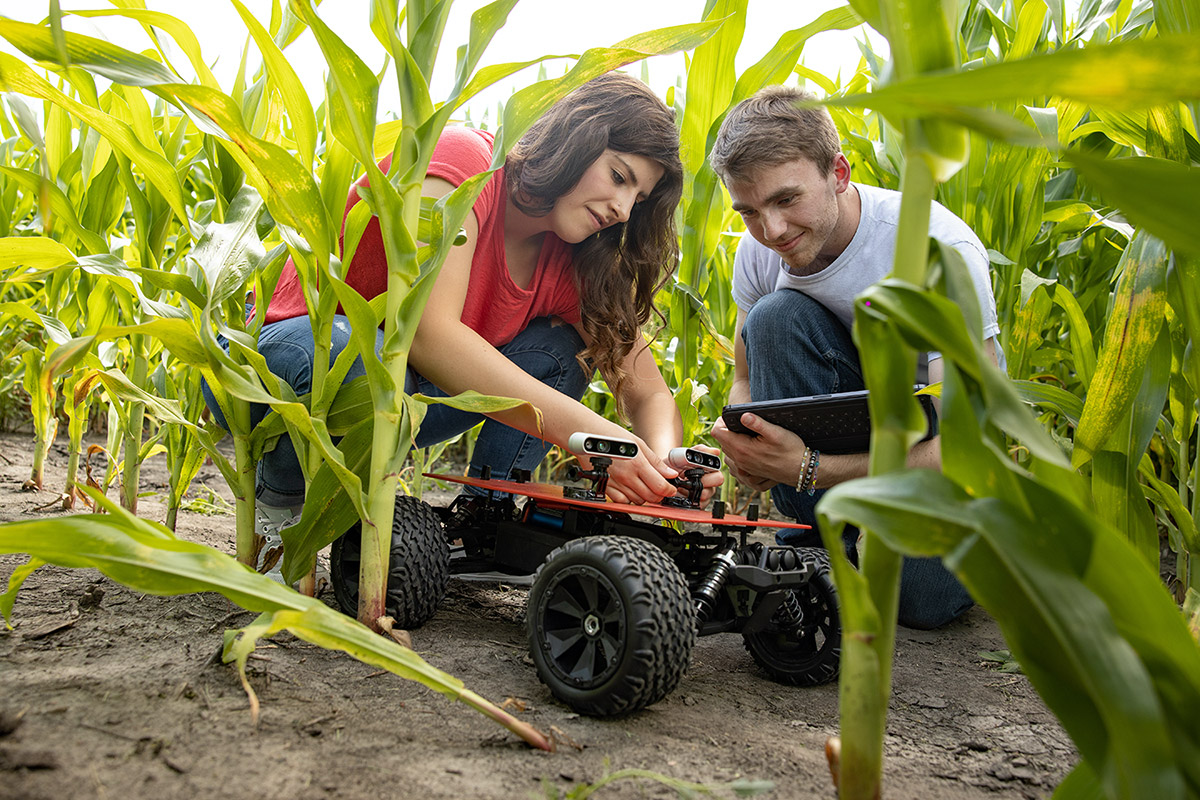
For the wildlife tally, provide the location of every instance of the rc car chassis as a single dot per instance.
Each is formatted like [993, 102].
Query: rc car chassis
[616, 601]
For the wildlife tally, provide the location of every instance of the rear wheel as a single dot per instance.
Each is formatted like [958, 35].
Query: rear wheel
[418, 570]
[802, 644]
[611, 624]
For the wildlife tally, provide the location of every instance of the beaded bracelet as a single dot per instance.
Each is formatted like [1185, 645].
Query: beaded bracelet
[812, 478]
[803, 469]
[807, 480]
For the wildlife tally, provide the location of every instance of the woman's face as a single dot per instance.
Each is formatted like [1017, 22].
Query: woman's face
[604, 196]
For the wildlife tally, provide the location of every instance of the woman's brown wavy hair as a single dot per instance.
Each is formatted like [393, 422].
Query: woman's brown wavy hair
[621, 268]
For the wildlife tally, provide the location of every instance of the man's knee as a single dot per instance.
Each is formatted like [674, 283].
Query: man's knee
[930, 596]
[788, 318]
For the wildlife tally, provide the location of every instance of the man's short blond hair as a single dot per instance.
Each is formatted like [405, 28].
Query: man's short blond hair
[769, 129]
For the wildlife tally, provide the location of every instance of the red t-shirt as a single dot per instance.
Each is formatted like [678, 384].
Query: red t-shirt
[495, 307]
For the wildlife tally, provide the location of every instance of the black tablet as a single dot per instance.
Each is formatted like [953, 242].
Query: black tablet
[832, 423]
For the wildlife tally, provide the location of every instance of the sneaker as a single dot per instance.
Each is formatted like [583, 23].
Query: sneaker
[268, 522]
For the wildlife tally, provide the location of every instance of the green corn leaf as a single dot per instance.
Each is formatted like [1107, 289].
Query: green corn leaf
[60, 206]
[288, 187]
[295, 98]
[57, 332]
[931, 322]
[353, 90]
[1051, 580]
[712, 68]
[1184, 284]
[16, 76]
[38, 253]
[492, 74]
[328, 512]
[1052, 397]
[363, 325]
[284, 402]
[889, 369]
[920, 311]
[15, 580]
[1080, 784]
[1132, 331]
[166, 411]
[1118, 496]
[427, 22]
[1162, 197]
[148, 558]
[229, 251]
[528, 104]
[921, 35]
[485, 22]
[1177, 16]
[179, 30]
[103, 58]
[780, 60]
[1138, 74]
[477, 403]
[1081, 334]
[964, 434]
[1167, 496]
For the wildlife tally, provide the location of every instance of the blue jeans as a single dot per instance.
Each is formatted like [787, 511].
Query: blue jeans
[796, 347]
[544, 350]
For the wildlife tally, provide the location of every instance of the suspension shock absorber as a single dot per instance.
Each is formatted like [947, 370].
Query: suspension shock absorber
[710, 588]
[784, 559]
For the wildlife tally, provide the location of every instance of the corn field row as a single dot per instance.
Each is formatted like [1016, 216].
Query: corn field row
[139, 209]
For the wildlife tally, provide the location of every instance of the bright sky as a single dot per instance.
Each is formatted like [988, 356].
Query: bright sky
[534, 28]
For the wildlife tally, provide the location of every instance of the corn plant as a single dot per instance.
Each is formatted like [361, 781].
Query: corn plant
[1054, 546]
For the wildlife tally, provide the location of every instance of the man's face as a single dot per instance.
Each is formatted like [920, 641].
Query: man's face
[793, 209]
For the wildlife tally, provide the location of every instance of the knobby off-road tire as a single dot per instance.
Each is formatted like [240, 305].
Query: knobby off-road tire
[418, 570]
[808, 653]
[611, 624]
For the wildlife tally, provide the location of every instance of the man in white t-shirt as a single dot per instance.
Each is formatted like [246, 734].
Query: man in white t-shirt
[818, 240]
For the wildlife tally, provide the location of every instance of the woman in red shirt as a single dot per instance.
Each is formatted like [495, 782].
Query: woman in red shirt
[565, 251]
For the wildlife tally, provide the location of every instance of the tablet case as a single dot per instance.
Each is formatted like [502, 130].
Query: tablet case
[831, 423]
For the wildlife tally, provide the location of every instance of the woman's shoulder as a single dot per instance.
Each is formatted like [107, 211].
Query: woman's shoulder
[460, 142]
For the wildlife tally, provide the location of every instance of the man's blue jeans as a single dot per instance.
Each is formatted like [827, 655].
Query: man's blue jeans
[796, 347]
[545, 350]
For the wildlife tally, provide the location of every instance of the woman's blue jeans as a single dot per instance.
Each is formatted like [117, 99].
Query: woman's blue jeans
[545, 349]
[795, 347]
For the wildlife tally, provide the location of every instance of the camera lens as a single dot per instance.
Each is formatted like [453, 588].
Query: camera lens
[628, 450]
[602, 446]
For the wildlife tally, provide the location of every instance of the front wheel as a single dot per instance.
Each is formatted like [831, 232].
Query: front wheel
[418, 567]
[611, 624]
[802, 644]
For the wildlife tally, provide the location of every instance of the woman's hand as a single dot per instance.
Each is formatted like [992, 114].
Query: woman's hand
[711, 481]
[761, 461]
[638, 480]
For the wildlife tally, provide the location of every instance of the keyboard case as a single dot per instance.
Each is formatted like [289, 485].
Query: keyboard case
[832, 423]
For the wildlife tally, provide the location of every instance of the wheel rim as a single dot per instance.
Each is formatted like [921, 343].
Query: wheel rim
[582, 631]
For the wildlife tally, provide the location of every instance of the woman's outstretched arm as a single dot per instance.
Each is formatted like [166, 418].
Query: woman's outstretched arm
[456, 358]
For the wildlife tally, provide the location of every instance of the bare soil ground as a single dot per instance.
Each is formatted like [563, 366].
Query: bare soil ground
[105, 693]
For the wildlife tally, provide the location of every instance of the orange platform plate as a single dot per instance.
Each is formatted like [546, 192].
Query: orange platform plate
[552, 494]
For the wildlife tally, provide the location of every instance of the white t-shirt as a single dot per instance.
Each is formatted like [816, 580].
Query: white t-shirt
[758, 270]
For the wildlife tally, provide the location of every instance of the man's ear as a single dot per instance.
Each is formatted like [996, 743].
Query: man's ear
[841, 172]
